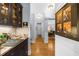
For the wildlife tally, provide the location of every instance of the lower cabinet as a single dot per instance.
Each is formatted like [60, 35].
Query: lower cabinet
[19, 50]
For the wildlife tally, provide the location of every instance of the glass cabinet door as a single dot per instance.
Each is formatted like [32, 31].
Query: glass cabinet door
[59, 17]
[67, 14]
[67, 27]
[59, 21]
[19, 15]
[4, 12]
[67, 20]
[14, 14]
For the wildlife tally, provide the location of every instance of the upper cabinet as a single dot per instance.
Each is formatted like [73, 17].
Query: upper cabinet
[67, 21]
[11, 14]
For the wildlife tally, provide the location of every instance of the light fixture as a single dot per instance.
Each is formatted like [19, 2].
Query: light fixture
[50, 7]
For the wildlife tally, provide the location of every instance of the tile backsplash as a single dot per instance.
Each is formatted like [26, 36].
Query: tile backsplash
[6, 29]
[17, 31]
[23, 30]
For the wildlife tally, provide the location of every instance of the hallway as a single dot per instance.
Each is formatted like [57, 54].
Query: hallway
[39, 48]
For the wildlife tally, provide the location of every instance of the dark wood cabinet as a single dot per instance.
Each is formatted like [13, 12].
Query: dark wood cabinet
[19, 22]
[67, 21]
[11, 14]
[19, 50]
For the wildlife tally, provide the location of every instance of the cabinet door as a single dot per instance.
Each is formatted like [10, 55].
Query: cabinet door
[4, 13]
[59, 21]
[14, 14]
[1, 21]
[19, 50]
[17, 15]
[67, 19]
[19, 21]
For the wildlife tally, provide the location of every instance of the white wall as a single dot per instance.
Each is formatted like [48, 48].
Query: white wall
[65, 46]
[26, 12]
[45, 30]
[58, 6]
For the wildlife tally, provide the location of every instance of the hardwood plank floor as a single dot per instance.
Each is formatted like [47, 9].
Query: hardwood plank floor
[39, 48]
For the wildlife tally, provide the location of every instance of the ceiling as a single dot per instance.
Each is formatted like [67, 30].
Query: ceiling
[37, 8]
[42, 8]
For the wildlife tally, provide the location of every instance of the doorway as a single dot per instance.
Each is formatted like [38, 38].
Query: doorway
[39, 29]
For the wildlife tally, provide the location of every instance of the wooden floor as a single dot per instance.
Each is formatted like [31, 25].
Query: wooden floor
[39, 48]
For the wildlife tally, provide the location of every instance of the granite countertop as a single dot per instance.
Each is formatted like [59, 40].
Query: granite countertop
[10, 43]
